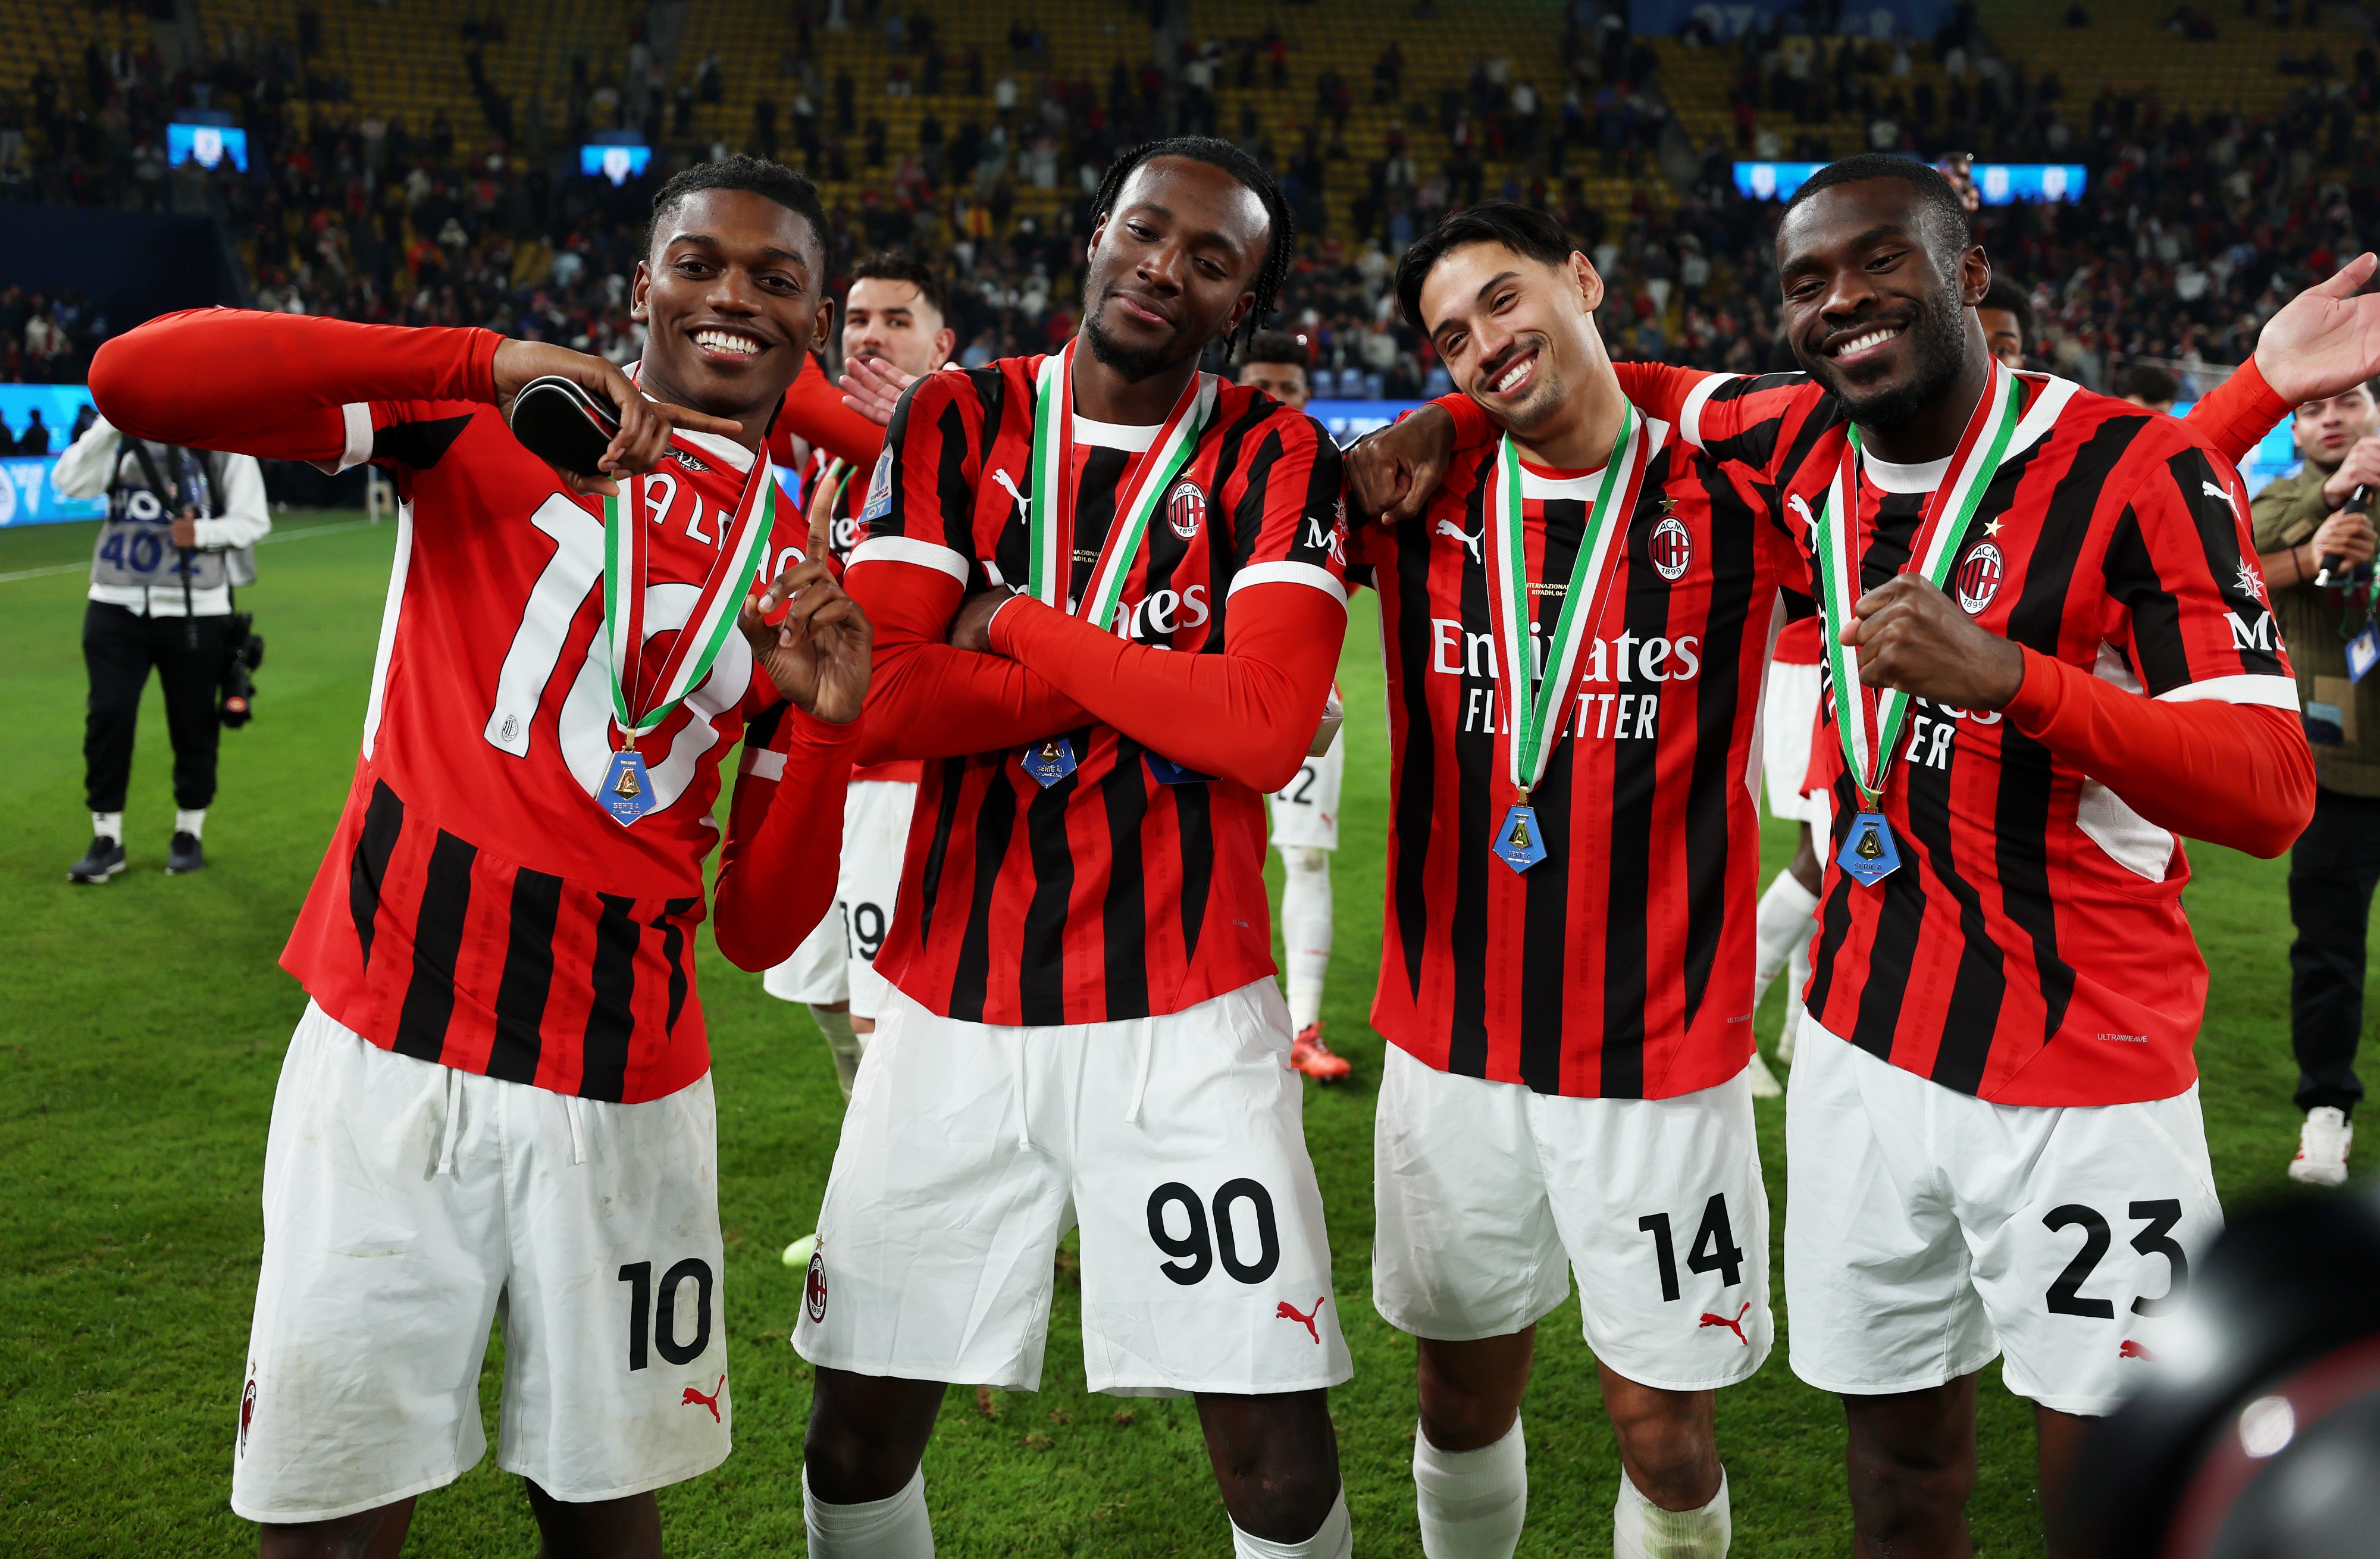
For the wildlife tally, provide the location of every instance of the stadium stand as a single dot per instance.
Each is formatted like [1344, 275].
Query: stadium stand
[417, 159]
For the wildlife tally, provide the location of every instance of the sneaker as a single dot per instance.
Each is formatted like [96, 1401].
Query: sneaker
[1764, 1081]
[102, 860]
[2323, 1142]
[1308, 1055]
[184, 855]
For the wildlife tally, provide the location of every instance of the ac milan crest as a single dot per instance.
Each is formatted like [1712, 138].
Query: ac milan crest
[814, 1287]
[1672, 547]
[247, 1413]
[1186, 509]
[1978, 579]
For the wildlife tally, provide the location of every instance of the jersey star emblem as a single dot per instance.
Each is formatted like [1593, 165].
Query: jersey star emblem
[2247, 583]
[1992, 526]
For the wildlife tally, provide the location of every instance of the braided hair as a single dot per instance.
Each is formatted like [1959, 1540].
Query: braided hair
[1281, 225]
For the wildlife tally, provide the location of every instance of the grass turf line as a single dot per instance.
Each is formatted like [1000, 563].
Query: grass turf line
[143, 1031]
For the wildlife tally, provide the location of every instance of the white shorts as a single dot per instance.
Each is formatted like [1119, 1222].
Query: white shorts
[1489, 1193]
[1178, 1142]
[1788, 711]
[1305, 811]
[1926, 1230]
[837, 961]
[591, 1228]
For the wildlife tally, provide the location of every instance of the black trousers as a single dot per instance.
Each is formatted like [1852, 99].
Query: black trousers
[2332, 871]
[119, 648]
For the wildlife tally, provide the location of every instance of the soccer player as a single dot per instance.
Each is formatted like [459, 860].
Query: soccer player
[1995, 1077]
[498, 1101]
[1565, 980]
[894, 313]
[1107, 596]
[1305, 811]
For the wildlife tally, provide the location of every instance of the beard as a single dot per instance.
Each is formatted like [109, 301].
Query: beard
[1546, 396]
[1135, 363]
[1938, 335]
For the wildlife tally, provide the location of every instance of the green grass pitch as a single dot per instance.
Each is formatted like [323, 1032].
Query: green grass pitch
[142, 1028]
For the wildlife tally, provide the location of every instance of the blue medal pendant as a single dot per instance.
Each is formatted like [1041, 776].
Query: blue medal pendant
[1165, 771]
[628, 792]
[1519, 844]
[1050, 762]
[2363, 653]
[1869, 854]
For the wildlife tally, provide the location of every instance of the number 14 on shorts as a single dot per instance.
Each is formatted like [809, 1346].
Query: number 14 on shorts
[1713, 1250]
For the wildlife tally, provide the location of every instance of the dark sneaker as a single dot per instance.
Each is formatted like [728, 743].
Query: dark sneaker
[102, 860]
[184, 855]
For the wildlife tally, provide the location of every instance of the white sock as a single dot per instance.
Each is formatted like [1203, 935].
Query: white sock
[1305, 931]
[108, 825]
[1335, 1538]
[1781, 925]
[836, 1026]
[1797, 974]
[1641, 1530]
[893, 1528]
[189, 822]
[1472, 1504]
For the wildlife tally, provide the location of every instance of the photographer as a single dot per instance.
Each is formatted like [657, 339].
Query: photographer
[179, 526]
[2300, 520]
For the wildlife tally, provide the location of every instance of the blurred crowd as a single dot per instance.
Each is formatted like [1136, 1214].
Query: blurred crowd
[2194, 226]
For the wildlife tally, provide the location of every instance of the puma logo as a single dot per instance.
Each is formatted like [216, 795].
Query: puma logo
[1470, 542]
[1001, 477]
[2213, 491]
[1795, 504]
[1735, 1326]
[1287, 1312]
[2130, 1349]
[696, 1398]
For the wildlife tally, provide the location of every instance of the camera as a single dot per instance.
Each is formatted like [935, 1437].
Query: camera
[243, 652]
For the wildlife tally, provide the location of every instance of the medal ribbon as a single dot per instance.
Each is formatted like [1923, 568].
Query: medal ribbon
[723, 592]
[1534, 710]
[1052, 511]
[1932, 551]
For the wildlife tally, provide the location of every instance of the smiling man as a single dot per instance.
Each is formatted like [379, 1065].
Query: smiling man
[498, 1101]
[1575, 627]
[1108, 591]
[1993, 1130]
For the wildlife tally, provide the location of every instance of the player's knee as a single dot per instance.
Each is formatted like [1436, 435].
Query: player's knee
[865, 1435]
[1307, 863]
[1911, 1453]
[1669, 1444]
[1286, 1497]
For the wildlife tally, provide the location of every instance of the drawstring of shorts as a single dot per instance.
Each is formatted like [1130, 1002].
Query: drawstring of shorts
[1016, 1076]
[1140, 1081]
[453, 1121]
[578, 1132]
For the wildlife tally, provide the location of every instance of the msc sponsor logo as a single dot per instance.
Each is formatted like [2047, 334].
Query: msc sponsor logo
[2256, 636]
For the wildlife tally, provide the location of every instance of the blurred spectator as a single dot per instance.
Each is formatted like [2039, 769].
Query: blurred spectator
[2147, 385]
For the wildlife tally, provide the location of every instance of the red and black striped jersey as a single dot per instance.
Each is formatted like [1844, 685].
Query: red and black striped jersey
[478, 906]
[1111, 894]
[2031, 948]
[1621, 965]
[843, 533]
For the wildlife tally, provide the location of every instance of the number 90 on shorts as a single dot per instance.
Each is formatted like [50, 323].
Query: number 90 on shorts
[1176, 1144]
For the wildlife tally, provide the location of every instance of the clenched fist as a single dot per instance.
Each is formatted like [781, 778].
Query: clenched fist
[1912, 636]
